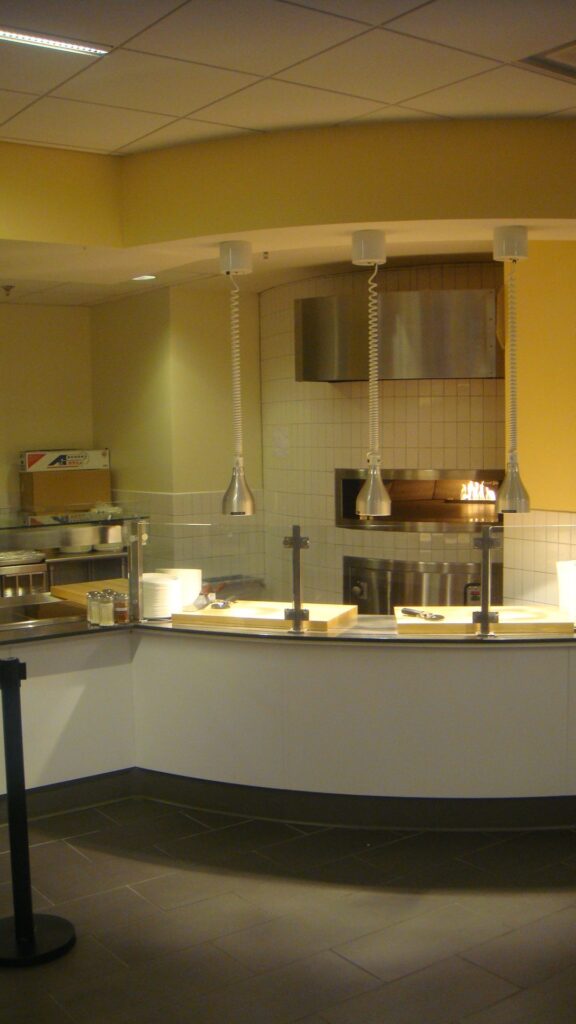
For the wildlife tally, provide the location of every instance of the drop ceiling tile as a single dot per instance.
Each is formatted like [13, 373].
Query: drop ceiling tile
[504, 29]
[254, 36]
[386, 67]
[505, 92]
[570, 112]
[110, 21]
[392, 113]
[373, 12]
[142, 81]
[180, 132]
[80, 125]
[12, 102]
[30, 69]
[272, 104]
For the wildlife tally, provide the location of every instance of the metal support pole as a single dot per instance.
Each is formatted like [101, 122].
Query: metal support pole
[485, 618]
[25, 939]
[297, 615]
[136, 537]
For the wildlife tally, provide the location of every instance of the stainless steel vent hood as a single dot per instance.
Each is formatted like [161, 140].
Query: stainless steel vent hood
[434, 333]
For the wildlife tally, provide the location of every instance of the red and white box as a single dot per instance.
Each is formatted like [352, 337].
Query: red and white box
[41, 461]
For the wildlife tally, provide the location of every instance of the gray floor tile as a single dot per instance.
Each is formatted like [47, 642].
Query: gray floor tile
[62, 872]
[436, 995]
[318, 848]
[525, 853]
[133, 809]
[66, 825]
[186, 885]
[321, 926]
[283, 893]
[219, 845]
[167, 931]
[516, 907]
[5, 872]
[551, 1002]
[409, 946]
[159, 986]
[528, 955]
[43, 1010]
[84, 966]
[427, 849]
[283, 996]
[215, 918]
[57, 826]
[215, 819]
[39, 902]
[138, 835]
[104, 912]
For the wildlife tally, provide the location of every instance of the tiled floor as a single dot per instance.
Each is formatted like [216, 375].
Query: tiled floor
[189, 917]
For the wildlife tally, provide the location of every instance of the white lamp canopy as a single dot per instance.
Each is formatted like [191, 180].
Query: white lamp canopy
[368, 248]
[235, 258]
[510, 243]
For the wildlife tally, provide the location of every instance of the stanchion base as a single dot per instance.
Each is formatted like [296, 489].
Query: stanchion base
[53, 937]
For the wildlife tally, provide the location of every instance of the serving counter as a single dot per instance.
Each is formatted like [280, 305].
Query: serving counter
[364, 727]
[351, 724]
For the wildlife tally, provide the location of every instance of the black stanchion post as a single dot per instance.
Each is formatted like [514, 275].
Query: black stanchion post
[27, 938]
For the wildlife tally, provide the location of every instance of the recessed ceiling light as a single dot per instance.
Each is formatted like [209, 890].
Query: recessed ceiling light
[145, 277]
[50, 44]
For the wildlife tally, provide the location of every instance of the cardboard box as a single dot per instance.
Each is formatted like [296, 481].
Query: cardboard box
[61, 490]
[43, 460]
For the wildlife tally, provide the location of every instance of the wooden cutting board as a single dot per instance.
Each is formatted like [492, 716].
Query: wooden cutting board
[267, 615]
[516, 619]
[75, 593]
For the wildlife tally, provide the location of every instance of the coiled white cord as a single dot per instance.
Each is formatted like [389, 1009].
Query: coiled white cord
[373, 376]
[236, 379]
[512, 369]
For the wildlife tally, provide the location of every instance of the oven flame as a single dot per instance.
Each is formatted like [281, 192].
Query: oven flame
[477, 490]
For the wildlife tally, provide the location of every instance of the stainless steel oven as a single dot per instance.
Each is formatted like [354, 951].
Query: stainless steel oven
[377, 585]
[424, 500]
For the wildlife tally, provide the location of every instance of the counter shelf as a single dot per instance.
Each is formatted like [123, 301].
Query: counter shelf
[20, 531]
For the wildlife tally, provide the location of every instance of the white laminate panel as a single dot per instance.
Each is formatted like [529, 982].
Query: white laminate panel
[77, 709]
[416, 720]
[571, 724]
[209, 708]
[442, 722]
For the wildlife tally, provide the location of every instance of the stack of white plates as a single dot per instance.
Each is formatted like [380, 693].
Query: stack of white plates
[190, 583]
[161, 595]
[21, 557]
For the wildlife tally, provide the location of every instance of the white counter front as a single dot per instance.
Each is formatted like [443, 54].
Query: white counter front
[427, 720]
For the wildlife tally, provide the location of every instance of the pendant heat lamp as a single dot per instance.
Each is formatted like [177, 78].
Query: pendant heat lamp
[236, 259]
[373, 501]
[511, 245]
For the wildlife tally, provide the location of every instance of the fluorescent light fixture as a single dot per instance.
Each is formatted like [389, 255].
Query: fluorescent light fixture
[50, 44]
[145, 277]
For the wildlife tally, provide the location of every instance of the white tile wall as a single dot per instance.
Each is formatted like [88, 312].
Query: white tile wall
[189, 531]
[533, 543]
[309, 429]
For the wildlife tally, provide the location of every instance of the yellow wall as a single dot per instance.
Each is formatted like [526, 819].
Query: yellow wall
[547, 374]
[54, 195]
[131, 390]
[201, 389]
[45, 393]
[393, 171]
[408, 171]
[162, 389]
